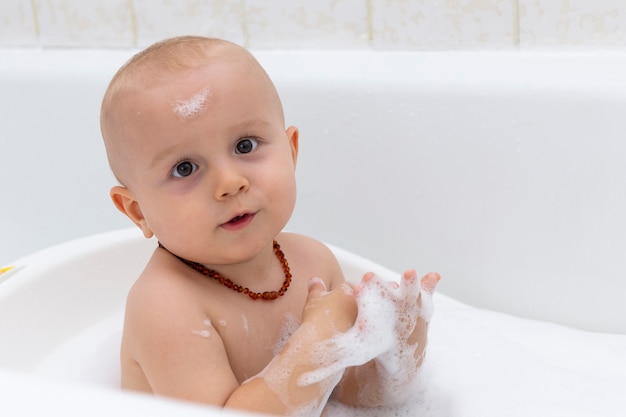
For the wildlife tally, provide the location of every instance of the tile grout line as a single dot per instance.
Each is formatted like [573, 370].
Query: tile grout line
[516, 24]
[244, 24]
[370, 22]
[33, 7]
[133, 23]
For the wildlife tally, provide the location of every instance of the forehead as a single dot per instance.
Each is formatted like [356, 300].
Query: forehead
[191, 93]
[194, 84]
[221, 93]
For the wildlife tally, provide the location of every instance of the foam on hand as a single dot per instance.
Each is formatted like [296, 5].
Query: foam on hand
[278, 376]
[400, 366]
[371, 335]
[391, 328]
[384, 331]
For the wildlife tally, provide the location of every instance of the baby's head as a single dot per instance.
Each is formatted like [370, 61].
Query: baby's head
[194, 131]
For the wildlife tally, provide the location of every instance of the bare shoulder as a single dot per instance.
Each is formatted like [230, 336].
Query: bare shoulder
[314, 256]
[165, 298]
[158, 289]
[168, 342]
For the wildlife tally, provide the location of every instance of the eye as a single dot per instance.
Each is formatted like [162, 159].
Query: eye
[184, 169]
[246, 145]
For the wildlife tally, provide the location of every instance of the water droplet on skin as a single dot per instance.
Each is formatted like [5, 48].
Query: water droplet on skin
[202, 333]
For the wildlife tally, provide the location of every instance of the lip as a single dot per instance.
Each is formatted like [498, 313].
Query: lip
[239, 221]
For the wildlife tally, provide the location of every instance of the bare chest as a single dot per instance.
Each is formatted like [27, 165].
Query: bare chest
[252, 337]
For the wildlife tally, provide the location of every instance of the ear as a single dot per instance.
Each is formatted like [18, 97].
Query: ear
[126, 203]
[292, 136]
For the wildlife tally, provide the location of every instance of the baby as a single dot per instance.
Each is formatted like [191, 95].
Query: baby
[230, 310]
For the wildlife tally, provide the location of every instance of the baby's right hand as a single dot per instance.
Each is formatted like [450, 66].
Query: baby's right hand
[333, 340]
[329, 312]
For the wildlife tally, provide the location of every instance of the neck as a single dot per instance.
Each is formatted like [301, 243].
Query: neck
[257, 276]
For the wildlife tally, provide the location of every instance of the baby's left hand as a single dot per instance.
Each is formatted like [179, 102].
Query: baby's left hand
[413, 308]
[410, 302]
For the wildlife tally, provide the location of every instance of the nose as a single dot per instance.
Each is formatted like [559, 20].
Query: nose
[230, 182]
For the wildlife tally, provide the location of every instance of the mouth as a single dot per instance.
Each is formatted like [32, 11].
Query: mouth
[239, 221]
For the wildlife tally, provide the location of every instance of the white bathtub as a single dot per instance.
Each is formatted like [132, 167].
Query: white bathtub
[503, 171]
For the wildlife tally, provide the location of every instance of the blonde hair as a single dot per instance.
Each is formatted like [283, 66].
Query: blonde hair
[166, 57]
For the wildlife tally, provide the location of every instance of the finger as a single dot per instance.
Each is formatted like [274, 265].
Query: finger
[425, 300]
[366, 278]
[429, 282]
[316, 287]
[409, 275]
[409, 278]
[410, 285]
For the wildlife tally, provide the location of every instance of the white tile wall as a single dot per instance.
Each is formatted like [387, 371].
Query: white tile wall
[380, 24]
[156, 20]
[328, 24]
[17, 23]
[573, 22]
[452, 24]
[84, 23]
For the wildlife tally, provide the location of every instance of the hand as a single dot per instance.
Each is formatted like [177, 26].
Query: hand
[413, 301]
[388, 341]
[394, 374]
[303, 374]
[329, 312]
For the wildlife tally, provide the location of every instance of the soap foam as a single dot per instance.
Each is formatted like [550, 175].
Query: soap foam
[289, 325]
[388, 313]
[278, 375]
[192, 106]
[369, 337]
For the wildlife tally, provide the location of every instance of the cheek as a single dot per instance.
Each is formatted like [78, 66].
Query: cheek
[286, 189]
[179, 228]
[156, 220]
[168, 216]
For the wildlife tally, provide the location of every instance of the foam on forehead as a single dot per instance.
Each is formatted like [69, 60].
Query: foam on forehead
[192, 106]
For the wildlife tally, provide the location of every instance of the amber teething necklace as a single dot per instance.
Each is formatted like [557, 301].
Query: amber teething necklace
[267, 295]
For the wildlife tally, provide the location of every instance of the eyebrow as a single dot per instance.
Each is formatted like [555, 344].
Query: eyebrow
[163, 155]
[243, 126]
[254, 123]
